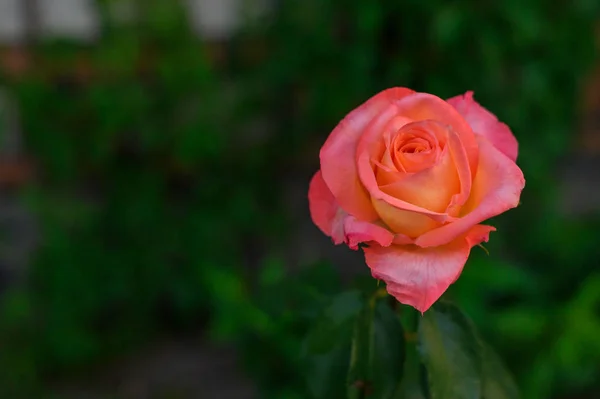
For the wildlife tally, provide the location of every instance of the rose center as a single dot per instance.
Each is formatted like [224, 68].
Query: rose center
[415, 146]
[413, 149]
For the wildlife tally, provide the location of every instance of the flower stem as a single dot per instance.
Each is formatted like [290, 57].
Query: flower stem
[362, 355]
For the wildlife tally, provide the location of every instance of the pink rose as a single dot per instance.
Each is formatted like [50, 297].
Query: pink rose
[412, 176]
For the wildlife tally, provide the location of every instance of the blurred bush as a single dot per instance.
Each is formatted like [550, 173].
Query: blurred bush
[161, 159]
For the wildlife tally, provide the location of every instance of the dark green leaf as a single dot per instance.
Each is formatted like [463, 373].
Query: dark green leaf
[326, 373]
[328, 346]
[336, 323]
[459, 363]
[497, 381]
[378, 353]
[389, 352]
[449, 351]
[360, 368]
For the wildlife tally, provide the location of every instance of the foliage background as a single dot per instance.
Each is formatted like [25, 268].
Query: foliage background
[171, 174]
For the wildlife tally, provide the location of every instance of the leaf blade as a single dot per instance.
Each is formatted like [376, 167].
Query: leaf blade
[449, 352]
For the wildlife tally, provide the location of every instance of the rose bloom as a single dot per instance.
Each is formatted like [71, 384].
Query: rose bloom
[412, 177]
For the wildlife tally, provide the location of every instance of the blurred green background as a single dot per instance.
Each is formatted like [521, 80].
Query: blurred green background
[155, 240]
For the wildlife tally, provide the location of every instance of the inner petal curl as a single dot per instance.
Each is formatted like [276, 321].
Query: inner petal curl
[415, 147]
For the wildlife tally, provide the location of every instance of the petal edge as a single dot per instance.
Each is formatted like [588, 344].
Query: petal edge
[484, 123]
[419, 276]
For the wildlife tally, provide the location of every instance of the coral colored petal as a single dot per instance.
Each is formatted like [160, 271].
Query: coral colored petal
[384, 173]
[431, 188]
[369, 182]
[400, 221]
[367, 176]
[336, 223]
[423, 106]
[402, 239]
[338, 162]
[461, 163]
[496, 188]
[445, 187]
[376, 142]
[419, 276]
[322, 204]
[432, 136]
[485, 123]
[357, 232]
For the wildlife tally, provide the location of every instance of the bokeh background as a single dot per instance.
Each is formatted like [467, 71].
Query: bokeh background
[155, 241]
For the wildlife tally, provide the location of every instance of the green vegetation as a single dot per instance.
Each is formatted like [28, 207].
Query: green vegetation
[159, 192]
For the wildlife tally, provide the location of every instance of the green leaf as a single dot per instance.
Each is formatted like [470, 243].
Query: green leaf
[459, 363]
[326, 373]
[336, 323]
[378, 352]
[328, 346]
[360, 368]
[497, 381]
[389, 352]
[450, 353]
[368, 337]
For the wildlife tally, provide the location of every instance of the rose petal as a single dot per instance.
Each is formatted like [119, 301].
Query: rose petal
[357, 231]
[377, 141]
[338, 154]
[400, 221]
[402, 239]
[496, 188]
[461, 163]
[436, 113]
[408, 212]
[425, 134]
[322, 204]
[423, 106]
[336, 223]
[419, 276]
[431, 188]
[369, 149]
[485, 123]
[386, 169]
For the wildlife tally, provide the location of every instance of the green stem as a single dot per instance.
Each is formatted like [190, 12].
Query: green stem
[354, 356]
[362, 355]
[410, 320]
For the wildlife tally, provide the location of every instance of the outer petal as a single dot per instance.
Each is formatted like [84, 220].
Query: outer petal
[338, 154]
[322, 204]
[485, 123]
[356, 232]
[496, 188]
[419, 276]
[336, 223]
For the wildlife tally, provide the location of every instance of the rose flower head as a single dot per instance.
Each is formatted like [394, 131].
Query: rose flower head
[412, 177]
